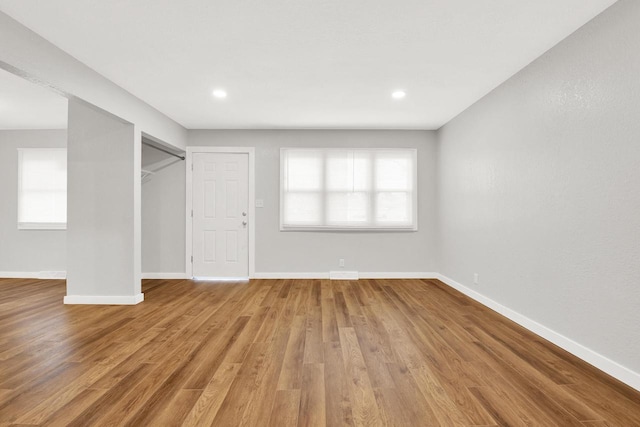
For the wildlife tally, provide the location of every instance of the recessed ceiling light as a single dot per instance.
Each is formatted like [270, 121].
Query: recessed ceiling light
[399, 94]
[219, 93]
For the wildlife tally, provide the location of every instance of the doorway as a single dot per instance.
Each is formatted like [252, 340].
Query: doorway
[220, 212]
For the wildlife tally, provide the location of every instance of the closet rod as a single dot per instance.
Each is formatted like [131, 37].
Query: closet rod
[163, 150]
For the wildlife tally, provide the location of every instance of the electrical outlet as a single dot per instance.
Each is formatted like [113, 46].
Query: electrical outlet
[341, 262]
[476, 278]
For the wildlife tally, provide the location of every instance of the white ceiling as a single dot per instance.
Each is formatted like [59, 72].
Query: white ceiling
[25, 105]
[306, 63]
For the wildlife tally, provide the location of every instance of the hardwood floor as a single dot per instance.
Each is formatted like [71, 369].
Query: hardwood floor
[287, 353]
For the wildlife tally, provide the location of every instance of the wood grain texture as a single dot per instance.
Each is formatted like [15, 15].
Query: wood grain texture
[289, 353]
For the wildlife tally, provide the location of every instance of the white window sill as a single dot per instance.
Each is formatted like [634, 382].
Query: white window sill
[330, 228]
[42, 226]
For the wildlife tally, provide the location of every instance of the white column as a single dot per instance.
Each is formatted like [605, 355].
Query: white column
[103, 208]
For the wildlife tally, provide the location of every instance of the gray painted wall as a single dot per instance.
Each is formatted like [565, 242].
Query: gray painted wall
[278, 251]
[538, 189]
[103, 204]
[28, 251]
[163, 216]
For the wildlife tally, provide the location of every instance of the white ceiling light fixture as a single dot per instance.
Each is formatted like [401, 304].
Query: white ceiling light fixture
[220, 93]
[398, 94]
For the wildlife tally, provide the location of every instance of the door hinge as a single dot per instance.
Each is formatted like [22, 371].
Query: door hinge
[191, 213]
[191, 259]
[191, 166]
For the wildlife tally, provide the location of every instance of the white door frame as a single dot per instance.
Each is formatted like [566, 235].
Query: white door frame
[252, 208]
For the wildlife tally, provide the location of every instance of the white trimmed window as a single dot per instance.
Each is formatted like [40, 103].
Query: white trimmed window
[42, 188]
[347, 189]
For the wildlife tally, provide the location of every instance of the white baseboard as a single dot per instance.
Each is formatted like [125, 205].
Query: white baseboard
[19, 274]
[601, 362]
[343, 275]
[362, 275]
[291, 275]
[267, 275]
[52, 275]
[398, 275]
[164, 276]
[63, 275]
[33, 274]
[104, 299]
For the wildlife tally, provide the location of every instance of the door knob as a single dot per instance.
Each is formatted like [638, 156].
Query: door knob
[244, 214]
[244, 223]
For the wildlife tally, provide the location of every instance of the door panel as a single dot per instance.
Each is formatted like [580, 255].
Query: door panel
[220, 215]
[209, 254]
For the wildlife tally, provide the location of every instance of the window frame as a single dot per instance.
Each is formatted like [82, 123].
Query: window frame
[341, 228]
[34, 225]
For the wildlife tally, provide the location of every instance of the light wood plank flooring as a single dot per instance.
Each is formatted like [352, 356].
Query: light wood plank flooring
[289, 353]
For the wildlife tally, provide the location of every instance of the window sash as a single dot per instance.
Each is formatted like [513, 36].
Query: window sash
[42, 188]
[362, 191]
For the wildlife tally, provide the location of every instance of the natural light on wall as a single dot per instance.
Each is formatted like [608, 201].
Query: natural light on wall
[42, 188]
[337, 189]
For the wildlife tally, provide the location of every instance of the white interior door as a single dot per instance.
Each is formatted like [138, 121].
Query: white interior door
[220, 215]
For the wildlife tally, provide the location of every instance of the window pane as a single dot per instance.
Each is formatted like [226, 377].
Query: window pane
[303, 170]
[348, 208]
[42, 193]
[348, 170]
[339, 171]
[362, 163]
[393, 207]
[44, 171]
[342, 188]
[394, 171]
[302, 209]
[43, 206]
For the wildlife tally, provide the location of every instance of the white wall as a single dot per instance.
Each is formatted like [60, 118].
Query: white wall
[278, 251]
[539, 189]
[26, 251]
